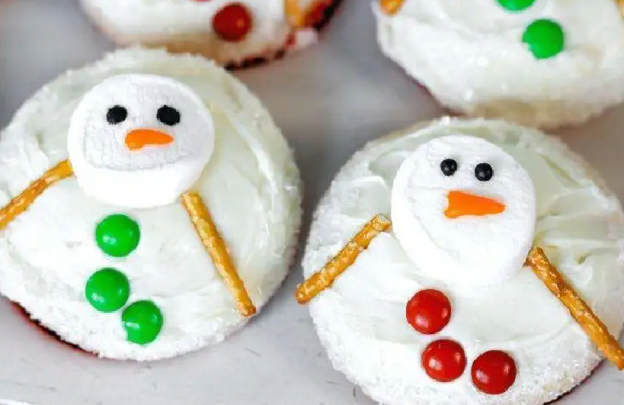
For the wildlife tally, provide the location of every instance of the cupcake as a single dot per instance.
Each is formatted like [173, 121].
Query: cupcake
[233, 33]
[541, 63]
[466, 262]
[150, 206]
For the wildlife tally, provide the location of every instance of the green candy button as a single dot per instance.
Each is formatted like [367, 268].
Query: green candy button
[516, 5]
[545, 38]
[117, 235]
[142, 321]
[107, 290]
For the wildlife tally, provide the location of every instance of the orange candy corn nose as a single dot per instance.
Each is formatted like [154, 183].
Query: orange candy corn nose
[461, 204]
[139, 138]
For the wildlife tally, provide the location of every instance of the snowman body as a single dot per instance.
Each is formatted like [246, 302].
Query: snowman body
[50, 252]
[361, 319]
[472, 56]
[230, 32]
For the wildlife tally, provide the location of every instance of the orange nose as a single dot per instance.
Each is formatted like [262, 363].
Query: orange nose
[461, 204]
[139, 138]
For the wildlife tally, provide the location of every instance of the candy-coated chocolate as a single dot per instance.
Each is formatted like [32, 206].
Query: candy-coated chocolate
[516, 5]
[429, 311]
[545, 38]
[107, 290]
[494, 372]
[444, 360]
[233, 22]
[143, 322]
[118, 235]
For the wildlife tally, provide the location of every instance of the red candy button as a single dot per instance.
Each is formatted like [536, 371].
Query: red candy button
[494, 372]
[429, 311]
[233, 22]
[444, 360]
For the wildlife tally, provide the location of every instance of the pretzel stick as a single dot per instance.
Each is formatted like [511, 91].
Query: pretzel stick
[391, 7]
[295, 15]
[324, 278]
[25, 199]
[580, 311]
[215, 246]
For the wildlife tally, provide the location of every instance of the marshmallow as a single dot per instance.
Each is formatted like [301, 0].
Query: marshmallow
[464, 211]
[139, 140]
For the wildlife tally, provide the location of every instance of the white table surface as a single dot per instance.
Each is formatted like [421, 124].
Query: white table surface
[329, 100]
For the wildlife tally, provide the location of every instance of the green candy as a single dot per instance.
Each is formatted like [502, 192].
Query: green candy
[516, 5]
[118, 235]
[142, 322]
[107, 290]
[545, 38]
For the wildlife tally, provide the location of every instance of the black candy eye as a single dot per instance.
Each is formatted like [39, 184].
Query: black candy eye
[484, 172]
[116, 115]
[168, 115]
[448, 167]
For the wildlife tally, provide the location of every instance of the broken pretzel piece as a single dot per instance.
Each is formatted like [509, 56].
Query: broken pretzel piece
[391, 7]
[580, 311]
[215, 246]
[324, 278]
[25, 199]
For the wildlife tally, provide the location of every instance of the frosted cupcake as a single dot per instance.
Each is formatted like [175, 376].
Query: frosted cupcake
[151, 206]
[466, 263]
[541, 63]
[233, 33]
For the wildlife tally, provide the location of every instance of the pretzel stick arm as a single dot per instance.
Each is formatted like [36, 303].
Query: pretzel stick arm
[580, 311]
[215, 246]
[324, 278]
[391, 7]
[20, 203]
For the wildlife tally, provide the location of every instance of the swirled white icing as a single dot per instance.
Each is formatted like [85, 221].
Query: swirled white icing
[471, 57]
[361, 318]
[251, 186]
[187, 24]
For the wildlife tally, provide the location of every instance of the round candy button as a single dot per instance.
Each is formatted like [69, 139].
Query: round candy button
[516, 5]
[107, 290]
[117, 235]
[429, 311]
[494, 372]
[444, 360]
[545, 38]
[142, 321]
[233, 22]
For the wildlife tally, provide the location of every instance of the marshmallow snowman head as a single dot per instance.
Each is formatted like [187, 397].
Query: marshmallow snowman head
[464, 211]
[139, 141]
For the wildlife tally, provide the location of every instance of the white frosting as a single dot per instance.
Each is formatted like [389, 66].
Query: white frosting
[153, 175]
[251, 186]
[471, 57]
[468, 250]
[187, 25]
[361, 318]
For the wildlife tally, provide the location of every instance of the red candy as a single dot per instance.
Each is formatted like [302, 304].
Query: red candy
[444, 360]
[233, 22]
[494, 372]
[429, 311]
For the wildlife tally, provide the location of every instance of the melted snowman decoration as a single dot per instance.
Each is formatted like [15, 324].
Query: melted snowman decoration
[528, 61]
[464, 211]
[136, 142]
[139, 141]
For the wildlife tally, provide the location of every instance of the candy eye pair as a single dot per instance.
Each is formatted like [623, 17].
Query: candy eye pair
[482, 171]
[165, 114]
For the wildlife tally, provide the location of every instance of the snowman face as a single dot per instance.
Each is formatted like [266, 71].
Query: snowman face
[139, 140]
[464, 211]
